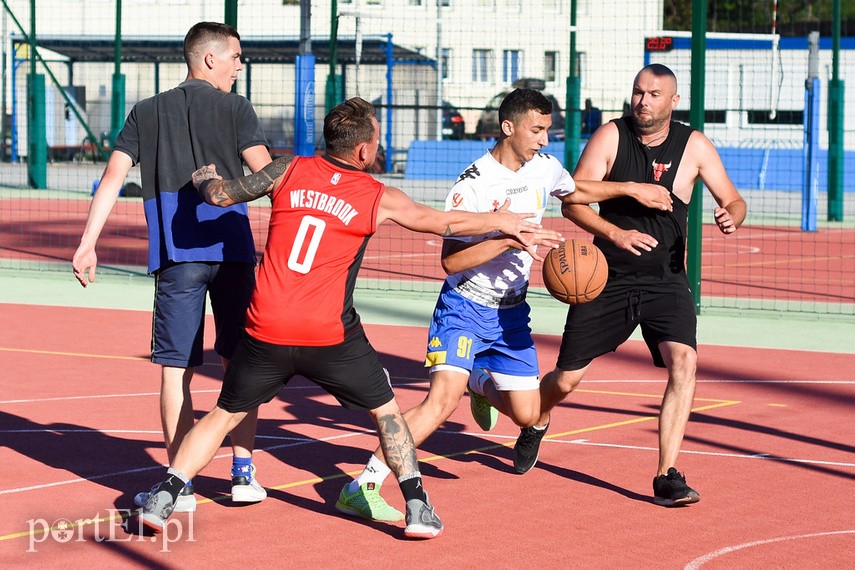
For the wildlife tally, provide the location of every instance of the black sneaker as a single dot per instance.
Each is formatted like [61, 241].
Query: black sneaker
[527, 448]
[670, 490]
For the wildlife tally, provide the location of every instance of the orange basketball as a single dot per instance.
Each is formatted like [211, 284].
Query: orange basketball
[576, 272]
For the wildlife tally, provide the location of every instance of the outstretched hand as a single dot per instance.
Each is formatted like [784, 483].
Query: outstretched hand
[550, 239]
[633, 241]
[654, 196]
[517, 225]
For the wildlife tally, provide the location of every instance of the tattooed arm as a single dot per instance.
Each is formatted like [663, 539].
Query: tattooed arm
[218, 192]
[395, 205]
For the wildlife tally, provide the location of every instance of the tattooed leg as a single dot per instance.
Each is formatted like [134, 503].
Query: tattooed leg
[397, 444]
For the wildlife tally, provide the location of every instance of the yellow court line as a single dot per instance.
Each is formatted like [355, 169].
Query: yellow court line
[74, 524]
[718, 404]
[76, 354]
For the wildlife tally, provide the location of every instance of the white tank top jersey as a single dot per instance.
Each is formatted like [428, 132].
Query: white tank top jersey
[483, 187]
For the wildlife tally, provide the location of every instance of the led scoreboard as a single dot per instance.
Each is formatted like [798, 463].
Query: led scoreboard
[664, 43]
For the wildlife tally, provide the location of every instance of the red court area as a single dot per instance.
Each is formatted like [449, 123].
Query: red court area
[757, 262]
[769, 447]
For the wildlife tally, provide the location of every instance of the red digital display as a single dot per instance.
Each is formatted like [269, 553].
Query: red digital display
[659, 44]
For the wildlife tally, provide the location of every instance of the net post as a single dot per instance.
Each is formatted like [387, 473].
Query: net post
[696, 120]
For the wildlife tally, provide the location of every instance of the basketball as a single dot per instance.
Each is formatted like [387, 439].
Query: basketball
[575, 272]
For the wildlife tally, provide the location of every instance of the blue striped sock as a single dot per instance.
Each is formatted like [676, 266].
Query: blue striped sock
[240, 466]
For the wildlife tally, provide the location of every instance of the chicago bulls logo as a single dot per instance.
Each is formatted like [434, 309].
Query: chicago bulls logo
[659, 170]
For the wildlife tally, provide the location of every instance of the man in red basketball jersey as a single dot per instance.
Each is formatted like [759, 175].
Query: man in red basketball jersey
[645, 249]
[301, 318]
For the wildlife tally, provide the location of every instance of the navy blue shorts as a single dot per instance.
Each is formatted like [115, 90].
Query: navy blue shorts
[350, 371]
[180, 296]
[602, 325]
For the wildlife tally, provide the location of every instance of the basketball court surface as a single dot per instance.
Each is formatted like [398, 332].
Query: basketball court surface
[769, 447]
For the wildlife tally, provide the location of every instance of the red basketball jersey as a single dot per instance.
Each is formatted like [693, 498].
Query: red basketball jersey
[323, 214]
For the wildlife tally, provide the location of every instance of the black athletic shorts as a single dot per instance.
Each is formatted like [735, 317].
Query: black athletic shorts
[350, 371]
[600, 326]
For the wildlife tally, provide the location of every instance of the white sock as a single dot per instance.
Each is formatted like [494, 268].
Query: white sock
[477, 379]
[375, 472]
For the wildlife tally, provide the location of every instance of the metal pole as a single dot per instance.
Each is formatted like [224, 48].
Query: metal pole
[332, 93]
[696, 120]
[304, 105]
[390, 94]
[572, 107]
[439, 70]
[117, 114]
[230, 17]
[231, 13]
[835, 125]
[4, 124]
[36, 124]
[810, 183]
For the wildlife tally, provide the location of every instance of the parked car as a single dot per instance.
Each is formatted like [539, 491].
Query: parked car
[453, 125]
[488, 122]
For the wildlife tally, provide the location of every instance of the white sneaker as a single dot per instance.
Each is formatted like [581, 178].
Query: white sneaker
[247, 489]
[186, 502]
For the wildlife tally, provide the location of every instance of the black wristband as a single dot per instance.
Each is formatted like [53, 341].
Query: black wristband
[203, 185]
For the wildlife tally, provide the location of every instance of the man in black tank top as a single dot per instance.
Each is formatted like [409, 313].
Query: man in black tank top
[645, 249]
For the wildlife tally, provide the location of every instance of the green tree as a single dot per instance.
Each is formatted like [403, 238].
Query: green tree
[795, 17]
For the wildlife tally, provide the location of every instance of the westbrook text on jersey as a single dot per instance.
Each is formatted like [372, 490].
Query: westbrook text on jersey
[324, 202]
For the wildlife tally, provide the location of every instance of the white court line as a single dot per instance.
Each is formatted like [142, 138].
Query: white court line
[294, 442]
[700, 561]
[764, 456]
[663, 381]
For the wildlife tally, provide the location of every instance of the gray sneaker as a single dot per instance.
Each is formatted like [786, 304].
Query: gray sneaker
[156, 510]
[422, 521]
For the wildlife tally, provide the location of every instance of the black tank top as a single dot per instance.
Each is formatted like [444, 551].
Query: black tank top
[636, 162]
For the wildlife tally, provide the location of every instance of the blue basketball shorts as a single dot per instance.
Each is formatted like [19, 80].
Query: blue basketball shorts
[466, 335]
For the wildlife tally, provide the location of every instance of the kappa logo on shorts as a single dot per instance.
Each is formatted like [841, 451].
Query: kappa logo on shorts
[435, 342]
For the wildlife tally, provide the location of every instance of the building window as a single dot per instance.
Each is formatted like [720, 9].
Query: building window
[481, 65]
[415, 2]
[446, 62]
[513, 6]
[550, 66]
[486, 5]
[511, 65]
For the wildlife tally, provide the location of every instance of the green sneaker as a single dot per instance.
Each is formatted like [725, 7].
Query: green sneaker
[483, 411]
[368, 504]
